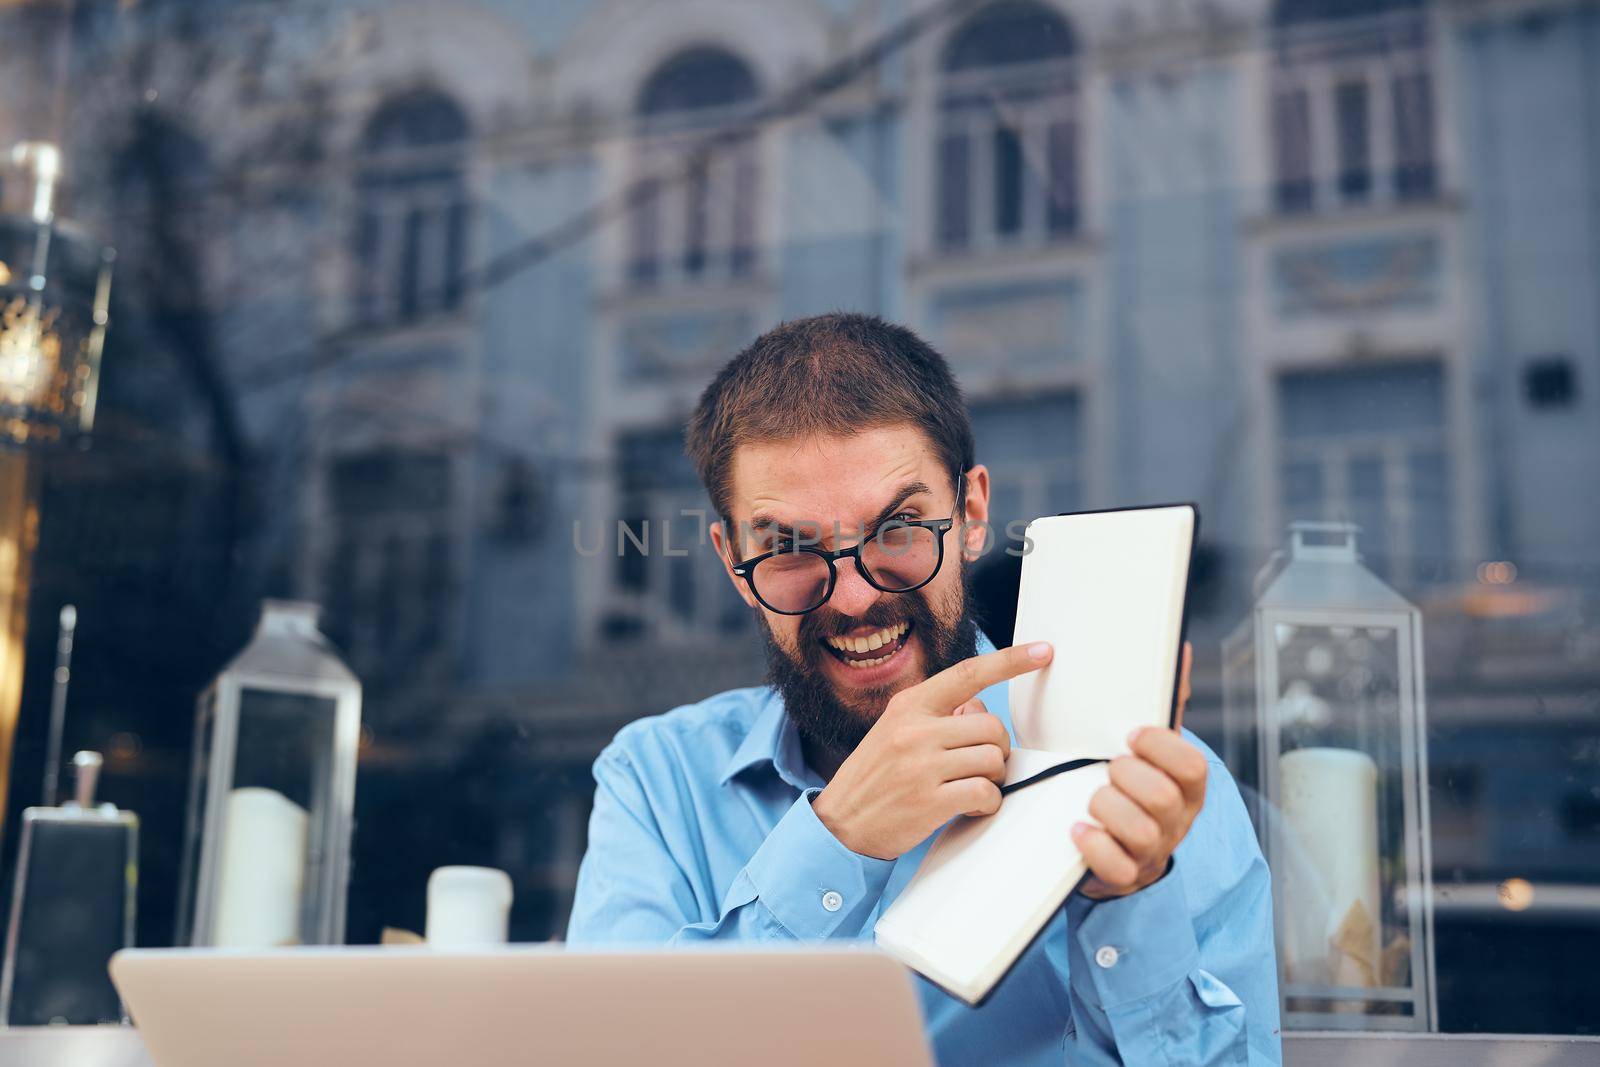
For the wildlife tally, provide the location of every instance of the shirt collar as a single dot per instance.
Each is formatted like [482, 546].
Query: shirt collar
[774, 740]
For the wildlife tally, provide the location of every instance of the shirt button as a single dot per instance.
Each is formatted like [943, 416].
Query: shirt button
[832, 901]
[1106, 956]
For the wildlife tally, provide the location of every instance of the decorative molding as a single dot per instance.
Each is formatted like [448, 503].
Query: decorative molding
[1015, 325]
[682, 344]
[1357, 276]
[483, 63]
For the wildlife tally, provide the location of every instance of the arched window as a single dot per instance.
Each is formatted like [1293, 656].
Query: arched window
[1007, 160]
[413, 210]
[694, 217]
[1352, 106]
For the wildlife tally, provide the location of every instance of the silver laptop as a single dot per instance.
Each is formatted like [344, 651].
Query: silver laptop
[420, 1007]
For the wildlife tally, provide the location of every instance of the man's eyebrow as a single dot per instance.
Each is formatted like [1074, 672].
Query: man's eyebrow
[764, 523]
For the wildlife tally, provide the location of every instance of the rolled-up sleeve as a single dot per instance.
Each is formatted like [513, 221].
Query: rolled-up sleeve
[801, 884]
[1183, 971]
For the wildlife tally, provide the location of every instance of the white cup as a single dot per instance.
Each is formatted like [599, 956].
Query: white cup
[468, 907]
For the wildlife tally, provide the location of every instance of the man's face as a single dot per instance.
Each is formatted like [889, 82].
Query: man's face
[829, 489]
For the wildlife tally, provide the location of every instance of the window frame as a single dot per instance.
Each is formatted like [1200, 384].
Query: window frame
[1318, 64]
[422, 188]
[1030, 99]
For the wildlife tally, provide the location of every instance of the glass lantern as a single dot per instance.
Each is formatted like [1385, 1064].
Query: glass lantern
[1325, 728]
[272, 791]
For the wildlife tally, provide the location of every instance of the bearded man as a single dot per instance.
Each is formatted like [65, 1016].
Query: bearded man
[838, 453]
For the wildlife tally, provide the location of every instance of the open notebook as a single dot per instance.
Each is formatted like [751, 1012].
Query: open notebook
[1107, 589]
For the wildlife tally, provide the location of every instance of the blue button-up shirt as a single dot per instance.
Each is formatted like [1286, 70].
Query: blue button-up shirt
[703, 831]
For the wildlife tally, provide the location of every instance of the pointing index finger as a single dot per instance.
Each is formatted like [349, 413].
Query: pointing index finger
[956, 685]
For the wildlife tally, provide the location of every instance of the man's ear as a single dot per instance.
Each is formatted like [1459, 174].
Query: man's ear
[723, 543]
[976, 536]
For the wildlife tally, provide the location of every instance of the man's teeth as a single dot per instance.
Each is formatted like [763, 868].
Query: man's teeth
[887, 636]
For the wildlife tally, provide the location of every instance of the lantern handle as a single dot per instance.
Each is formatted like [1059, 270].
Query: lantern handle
[87, 765]
[1325, 541]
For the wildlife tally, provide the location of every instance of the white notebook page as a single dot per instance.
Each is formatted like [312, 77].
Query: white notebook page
[1106, 590]
[990, 884]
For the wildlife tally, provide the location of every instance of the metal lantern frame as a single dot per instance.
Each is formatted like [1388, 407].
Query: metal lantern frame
[310, 670]
[1324, 585]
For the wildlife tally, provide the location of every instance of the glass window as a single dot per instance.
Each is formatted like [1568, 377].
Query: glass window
[955, 189]
[409, 307]
[1291, 129]
[1008, 181]
[1415, 177]
[1355, 176]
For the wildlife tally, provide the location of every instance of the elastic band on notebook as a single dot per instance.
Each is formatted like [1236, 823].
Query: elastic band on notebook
[1050, 772]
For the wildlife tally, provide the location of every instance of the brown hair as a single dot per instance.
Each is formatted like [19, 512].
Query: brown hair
[839, 373]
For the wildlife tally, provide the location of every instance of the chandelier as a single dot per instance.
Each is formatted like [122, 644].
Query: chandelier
[55, 287]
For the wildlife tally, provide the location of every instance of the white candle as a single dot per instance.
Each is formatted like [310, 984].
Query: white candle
[1329, 866]
[468, 907]
[262, 871]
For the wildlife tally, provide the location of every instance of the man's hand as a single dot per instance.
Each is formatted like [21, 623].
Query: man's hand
[1147, 809]
[935, 753]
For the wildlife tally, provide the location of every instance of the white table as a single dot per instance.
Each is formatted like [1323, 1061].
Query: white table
[116, 1046]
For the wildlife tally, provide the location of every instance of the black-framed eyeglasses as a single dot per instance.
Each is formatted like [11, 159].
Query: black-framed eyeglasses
[899, 556]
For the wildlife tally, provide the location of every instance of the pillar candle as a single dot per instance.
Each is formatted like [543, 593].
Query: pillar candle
[262, 871]
[468, 907]
[1329, 866]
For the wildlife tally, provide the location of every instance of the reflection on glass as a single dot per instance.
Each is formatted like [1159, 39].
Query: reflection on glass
[1316, 259]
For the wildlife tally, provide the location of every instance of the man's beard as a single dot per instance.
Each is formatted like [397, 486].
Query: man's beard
[812, 703]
